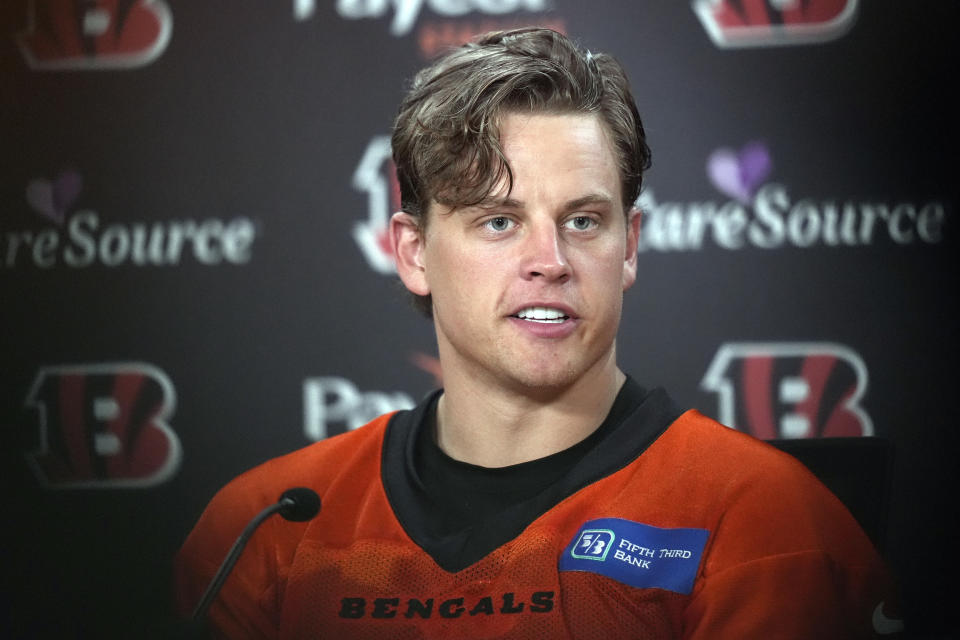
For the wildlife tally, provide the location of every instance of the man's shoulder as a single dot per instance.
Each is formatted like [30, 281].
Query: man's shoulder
[316, 466]
[758, 489]
[733, 477]
[316, 463]
[713, 446]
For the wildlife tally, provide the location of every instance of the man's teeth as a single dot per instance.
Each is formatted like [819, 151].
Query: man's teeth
[542, 314]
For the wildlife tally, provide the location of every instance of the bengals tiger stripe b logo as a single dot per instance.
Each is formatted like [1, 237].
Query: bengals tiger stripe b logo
[104, 425]
[790, 390]
[766, 23]
[66, 35]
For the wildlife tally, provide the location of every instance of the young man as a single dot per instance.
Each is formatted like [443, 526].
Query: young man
[542, 493]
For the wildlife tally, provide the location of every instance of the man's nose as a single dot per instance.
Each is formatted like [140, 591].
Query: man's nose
[545, 253]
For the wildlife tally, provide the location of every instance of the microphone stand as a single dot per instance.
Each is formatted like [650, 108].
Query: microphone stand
[214, 587]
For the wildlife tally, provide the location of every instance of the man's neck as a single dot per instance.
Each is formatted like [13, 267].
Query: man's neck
[495, 425]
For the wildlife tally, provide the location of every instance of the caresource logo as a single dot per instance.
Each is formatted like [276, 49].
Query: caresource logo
[790, 390]
[78, 239]
[103, 426]
[764, 23]
[96, 34]
[333, 405]
[761, 214]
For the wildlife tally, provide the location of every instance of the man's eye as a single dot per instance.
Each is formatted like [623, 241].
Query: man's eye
[500, 223]
[581, 223]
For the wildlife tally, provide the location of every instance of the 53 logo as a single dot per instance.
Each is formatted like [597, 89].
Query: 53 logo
[95, 34]
[104, 425]
[790, 390]
[763, 23]
[593, 544]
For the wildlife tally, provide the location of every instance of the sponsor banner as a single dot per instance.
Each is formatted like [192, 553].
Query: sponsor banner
[766, 23]
[103, 426]
[438, 25]
[333, 405]
[773, 220]
[764, 215]
[95, 35]
[637, 554]
[407, 12]
[790, 390]
[758, 215]
[83, 238]
[437, 36]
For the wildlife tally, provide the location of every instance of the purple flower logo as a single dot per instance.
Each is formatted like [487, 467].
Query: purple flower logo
[740, 173]
[52, 198]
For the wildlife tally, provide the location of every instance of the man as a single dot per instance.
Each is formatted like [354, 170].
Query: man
[542, 493]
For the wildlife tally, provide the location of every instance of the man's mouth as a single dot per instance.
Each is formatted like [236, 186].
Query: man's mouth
[544, 315]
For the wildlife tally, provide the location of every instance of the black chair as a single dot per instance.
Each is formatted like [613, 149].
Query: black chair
[857, 470]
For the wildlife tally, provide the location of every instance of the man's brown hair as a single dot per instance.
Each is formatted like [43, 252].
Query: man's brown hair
[446, 141]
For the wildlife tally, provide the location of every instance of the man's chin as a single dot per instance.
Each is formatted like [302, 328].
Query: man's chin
[544, 382]
[551, 378]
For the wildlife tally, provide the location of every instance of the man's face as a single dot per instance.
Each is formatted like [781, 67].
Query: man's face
[528, 288]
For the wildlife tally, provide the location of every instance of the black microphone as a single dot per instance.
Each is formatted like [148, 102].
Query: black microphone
[297, 505]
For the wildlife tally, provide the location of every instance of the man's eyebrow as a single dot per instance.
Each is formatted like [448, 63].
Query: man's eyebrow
[491, 202]
[590, 198]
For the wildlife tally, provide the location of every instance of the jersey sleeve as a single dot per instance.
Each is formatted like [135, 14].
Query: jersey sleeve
[797, 595]
[787, 560]
[246, 605]
[249, 605]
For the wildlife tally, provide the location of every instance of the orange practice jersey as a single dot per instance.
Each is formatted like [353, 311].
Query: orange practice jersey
[708, 534]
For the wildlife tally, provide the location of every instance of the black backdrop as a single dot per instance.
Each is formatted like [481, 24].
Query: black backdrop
[190, 200]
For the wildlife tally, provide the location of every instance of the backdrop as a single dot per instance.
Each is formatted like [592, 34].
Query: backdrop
[194, 277]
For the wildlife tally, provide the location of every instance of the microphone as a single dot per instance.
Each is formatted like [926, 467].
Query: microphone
[297, 505]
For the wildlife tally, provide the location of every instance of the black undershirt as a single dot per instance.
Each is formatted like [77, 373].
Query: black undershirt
[468, 494]
[458, 513]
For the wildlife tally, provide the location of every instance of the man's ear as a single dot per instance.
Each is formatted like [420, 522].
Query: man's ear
[406, 240]
[633, 240]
